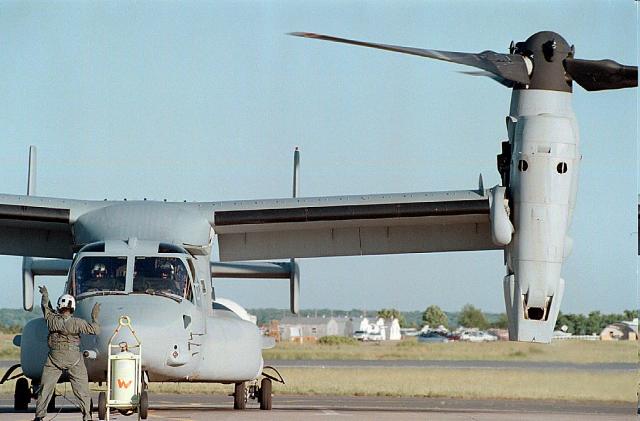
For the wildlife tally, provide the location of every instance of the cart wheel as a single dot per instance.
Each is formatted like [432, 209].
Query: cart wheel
[240, 396]
[265, 394]
[102, 406]
[144, 404]
[22, 395]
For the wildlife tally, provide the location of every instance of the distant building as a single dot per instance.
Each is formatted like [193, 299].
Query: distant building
[626, 331]
[296, 328]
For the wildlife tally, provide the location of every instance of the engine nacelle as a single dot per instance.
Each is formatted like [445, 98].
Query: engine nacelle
[542, 183]
[34, 348]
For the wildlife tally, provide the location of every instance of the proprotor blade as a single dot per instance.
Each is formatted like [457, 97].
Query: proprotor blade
[506, 66]
[597, 75]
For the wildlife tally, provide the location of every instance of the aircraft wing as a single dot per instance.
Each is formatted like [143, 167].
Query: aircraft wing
[38, 226]
[353, 225]
[256, 229]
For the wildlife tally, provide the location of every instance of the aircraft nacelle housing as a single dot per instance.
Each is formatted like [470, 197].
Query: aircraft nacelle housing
[543, 179]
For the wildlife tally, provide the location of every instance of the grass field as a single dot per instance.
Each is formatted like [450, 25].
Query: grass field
[8, 351]
[579, 352]
[469, 384]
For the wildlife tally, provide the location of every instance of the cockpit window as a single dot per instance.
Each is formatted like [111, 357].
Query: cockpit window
[99, 273]
[160, 275]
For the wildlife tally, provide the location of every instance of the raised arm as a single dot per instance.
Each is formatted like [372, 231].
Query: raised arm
[92, 328]
[44, 303]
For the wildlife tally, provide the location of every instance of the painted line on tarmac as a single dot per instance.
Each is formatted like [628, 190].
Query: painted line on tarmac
[331, 412]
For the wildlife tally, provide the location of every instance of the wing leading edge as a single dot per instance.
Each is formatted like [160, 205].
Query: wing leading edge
[354, 225]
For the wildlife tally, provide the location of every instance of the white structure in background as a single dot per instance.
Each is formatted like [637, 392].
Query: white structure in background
[363, 326]
[391, 329]
[381, 330]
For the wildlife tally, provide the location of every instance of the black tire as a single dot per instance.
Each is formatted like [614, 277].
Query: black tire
[240, 396]
[51, 407]
[102, 405]
[22, 395]
[144, 405]
[265, 394]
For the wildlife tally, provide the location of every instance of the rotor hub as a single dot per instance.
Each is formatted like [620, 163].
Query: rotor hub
[547, 51]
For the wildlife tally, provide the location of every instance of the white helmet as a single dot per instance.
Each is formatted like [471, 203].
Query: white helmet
[67, 301]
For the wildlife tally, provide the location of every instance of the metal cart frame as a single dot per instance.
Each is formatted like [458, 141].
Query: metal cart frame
[135, 403]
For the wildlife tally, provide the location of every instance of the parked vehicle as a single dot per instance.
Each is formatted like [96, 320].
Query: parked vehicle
[453, 336]
[477, 336]
[432, 337]
[374, 336]
[360, 335]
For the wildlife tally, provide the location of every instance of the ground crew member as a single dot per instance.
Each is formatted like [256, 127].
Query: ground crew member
[64, 352]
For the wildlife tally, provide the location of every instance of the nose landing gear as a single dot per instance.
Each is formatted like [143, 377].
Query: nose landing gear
[262, 393]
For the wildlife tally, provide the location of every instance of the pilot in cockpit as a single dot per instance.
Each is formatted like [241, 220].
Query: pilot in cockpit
[168, 276]
[98, 278]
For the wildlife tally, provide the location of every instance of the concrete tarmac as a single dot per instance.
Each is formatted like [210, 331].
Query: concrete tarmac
[293, 407]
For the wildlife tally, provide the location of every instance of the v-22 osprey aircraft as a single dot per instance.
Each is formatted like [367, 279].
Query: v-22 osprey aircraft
[151, 260]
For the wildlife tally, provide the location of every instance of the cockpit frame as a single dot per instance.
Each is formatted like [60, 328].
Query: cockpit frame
[155, 255]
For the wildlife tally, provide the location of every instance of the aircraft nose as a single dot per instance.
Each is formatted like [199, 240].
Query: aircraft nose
[156, 322]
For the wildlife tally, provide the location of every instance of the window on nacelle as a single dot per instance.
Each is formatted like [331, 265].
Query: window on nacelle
[99, 273]
[161, 275]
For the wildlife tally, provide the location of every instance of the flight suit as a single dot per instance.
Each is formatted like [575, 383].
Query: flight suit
[64, 354]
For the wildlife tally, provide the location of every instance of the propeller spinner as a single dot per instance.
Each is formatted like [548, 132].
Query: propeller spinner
[544, 61]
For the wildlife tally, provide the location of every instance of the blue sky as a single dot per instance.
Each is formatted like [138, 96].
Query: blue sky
[206, 101]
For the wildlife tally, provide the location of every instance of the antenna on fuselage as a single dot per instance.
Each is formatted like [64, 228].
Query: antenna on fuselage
[31, 177]
[294, 278]
[296, 172]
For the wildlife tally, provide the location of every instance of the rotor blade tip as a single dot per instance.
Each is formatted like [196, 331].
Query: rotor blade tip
[303, 34]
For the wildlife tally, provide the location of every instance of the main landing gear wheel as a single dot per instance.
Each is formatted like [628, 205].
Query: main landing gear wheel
[240, 396]
[144, 404]
[265, 394]
[102, 406]
[22, 395]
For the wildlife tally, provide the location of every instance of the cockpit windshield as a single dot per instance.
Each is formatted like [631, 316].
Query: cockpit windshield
[160, 275]
[100, 273]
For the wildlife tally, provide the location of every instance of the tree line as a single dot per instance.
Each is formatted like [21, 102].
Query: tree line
[12, 320]
[577, 324]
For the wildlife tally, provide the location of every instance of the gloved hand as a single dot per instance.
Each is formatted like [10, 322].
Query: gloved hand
[43, 290]
[95, 312]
